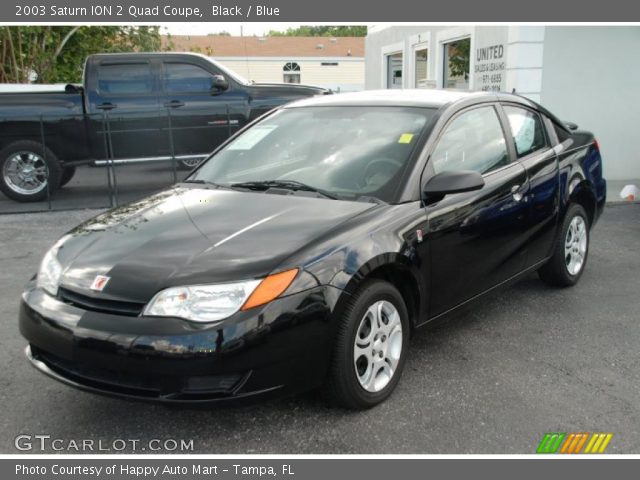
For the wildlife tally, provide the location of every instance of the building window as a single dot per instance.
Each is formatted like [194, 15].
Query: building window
[456, 64]
[394, 70]
[291, 72]
[421, 68]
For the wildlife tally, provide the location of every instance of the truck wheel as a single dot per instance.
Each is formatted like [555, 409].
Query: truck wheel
[370, 348]
[27, 169]
[67, 175]
[569, 259]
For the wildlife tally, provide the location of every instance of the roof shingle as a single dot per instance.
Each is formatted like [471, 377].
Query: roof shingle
[228, 46]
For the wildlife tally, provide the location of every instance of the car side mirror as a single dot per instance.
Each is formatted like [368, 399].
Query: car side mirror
[219, 84]
[445, 183]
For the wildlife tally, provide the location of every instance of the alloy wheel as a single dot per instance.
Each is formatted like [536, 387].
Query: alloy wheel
[378, 346]
[575, 245]
[26, 173]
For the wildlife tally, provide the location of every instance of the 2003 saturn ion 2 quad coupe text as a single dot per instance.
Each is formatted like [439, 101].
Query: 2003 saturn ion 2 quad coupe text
[305, 251]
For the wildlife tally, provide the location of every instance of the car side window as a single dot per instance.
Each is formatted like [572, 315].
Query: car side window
[186, 78]
[527, 130]
[125, 79]
[474, 140]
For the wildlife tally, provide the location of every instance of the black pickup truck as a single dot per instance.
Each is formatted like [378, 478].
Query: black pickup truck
[132, 107]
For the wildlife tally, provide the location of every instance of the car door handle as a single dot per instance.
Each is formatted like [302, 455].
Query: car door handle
[174, 104]
[106, 106]
[516, 192]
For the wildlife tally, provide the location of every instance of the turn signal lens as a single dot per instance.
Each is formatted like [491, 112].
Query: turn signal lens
[270, 288]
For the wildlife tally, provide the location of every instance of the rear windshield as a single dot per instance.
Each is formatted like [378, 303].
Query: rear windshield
[348, 151]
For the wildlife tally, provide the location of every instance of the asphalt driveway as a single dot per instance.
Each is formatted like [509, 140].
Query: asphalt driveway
[526, 361]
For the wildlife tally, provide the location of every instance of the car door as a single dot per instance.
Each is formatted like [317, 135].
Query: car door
[533, 150]
[202, 117]
[124, 99]
[475, 238]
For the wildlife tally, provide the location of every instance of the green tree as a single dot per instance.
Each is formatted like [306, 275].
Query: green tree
[56, 54]
[459, 54]
[322, 31]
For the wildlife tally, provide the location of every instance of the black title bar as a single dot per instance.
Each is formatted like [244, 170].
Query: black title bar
[355, 11]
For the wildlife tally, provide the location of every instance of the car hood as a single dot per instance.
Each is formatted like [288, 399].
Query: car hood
[187, 236]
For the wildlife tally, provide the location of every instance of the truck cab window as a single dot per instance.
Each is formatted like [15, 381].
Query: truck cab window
[124, 79]
[186, 78]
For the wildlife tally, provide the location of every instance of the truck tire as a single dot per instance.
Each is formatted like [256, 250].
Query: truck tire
[27, 171]
[67, 175]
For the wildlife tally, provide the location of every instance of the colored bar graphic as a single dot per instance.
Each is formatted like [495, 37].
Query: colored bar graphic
[598, 443]
[550, 442]
[568, 443]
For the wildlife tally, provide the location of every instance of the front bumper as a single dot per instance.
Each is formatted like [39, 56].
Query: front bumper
[283, 346]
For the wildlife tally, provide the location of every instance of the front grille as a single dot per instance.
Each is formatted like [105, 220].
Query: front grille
[131, 309]
[151, 386]
[100, 377]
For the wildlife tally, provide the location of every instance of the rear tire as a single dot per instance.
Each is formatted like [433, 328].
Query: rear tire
[27, 170]
[67, 175]
[370, 347]
[569, 259]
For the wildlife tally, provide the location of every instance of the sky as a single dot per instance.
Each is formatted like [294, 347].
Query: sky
[248, 29]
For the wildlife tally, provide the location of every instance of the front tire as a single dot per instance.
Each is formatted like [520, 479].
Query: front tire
[569, 258]
[27, 171]
[370, 347]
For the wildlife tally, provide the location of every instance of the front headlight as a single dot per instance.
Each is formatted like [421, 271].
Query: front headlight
[201, 303]
[50, 272]
[209, 303]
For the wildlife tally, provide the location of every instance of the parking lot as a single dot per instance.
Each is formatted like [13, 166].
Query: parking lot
[527, 361]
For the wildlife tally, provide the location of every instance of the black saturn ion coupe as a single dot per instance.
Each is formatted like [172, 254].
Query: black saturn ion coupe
[306, 250]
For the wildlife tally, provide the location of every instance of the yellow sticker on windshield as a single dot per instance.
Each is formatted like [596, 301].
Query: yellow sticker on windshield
[405, 138]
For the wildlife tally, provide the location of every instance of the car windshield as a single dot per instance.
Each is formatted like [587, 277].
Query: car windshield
[344, 152]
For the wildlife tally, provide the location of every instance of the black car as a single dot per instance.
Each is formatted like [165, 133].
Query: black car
[307, 249]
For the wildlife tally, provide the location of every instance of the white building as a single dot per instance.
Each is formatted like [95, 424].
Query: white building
[588, 75]
[336, 63]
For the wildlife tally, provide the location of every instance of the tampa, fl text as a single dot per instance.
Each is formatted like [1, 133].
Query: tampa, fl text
[154, 471]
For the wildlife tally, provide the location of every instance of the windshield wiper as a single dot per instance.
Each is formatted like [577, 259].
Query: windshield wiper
[286, 184]
[204, 182]
[370, 199]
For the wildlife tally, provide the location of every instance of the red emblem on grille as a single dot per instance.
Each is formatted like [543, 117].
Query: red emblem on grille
[99, 282]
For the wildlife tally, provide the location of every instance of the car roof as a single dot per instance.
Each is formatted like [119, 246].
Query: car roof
[432, 98]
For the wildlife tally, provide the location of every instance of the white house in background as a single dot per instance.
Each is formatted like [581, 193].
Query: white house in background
[336, 63]
[588, 75]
